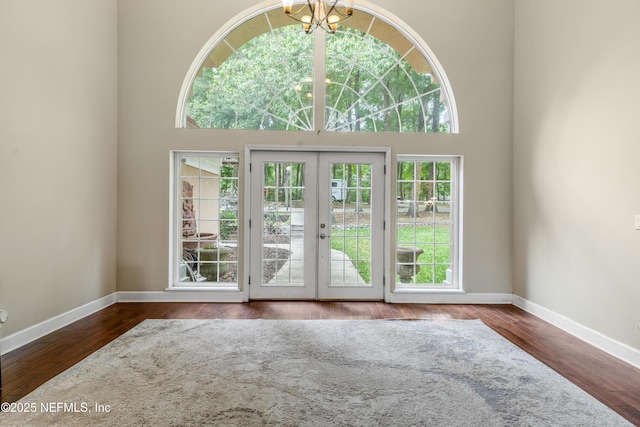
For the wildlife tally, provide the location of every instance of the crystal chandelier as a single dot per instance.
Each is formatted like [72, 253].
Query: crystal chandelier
[325, 14]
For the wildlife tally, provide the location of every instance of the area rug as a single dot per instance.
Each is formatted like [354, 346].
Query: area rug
[310, 373]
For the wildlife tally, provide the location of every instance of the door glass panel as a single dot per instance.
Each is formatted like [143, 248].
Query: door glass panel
[283, 224]
[350, 224]
[311, 228]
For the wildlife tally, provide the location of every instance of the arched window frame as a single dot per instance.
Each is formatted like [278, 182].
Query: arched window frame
[379, 13]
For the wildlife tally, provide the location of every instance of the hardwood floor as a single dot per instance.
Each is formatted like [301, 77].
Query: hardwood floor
[608, 379]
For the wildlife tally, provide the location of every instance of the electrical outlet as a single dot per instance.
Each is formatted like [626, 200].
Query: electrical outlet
[638, 222]
[3, 316]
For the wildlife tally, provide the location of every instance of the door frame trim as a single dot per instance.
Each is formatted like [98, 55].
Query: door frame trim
[246, 209]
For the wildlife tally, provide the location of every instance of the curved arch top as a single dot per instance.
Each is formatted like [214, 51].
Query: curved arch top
[403, 59]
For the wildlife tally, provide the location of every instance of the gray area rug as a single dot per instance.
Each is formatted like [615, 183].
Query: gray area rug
[310, 373]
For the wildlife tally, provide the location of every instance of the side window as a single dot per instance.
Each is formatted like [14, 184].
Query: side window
[205, 203]
[427, 223]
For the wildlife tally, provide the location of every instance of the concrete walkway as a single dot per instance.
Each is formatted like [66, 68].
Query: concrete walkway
[342, 269]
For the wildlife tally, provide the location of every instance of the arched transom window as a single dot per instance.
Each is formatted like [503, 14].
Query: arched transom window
[267, 74]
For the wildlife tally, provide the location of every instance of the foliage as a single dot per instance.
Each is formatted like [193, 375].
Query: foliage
[229, 179]
[252, 90]
[436, 259]
[228, 224]
[371, 88]
[434, 262]
[267, 84]
[424, 180]
[359, 253]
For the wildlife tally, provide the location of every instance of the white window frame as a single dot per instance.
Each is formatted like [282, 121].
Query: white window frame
[175, 219]
[456, 283]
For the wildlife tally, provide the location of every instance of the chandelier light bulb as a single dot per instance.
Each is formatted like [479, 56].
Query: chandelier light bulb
[348, 6]
[287, 5]
[332, 21]
[325, 14]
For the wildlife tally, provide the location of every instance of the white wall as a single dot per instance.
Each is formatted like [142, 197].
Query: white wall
[58, 142]
[158, 40]
[576, 167]
[574, 155]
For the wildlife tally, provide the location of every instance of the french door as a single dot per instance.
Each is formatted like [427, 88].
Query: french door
[316, 225]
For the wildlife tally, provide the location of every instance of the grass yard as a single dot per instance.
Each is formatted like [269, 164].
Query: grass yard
[357, 245]
[434, 240]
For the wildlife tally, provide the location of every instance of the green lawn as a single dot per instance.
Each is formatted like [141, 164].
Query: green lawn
[433, 240]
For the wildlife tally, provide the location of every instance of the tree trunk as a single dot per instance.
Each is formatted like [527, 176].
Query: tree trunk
[435, 125]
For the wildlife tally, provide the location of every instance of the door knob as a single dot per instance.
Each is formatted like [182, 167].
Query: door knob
[323, 236]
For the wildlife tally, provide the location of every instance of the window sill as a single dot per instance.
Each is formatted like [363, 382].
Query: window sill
[203, 289]
[428, 291]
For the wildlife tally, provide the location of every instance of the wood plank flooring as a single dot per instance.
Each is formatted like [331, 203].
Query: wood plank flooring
[608, 379]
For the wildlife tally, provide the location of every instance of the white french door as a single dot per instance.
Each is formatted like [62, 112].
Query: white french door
[316, 225]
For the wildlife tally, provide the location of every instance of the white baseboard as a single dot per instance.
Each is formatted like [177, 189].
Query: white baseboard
[183, 295]
[447, 297]
[41, 329]
[596, 339]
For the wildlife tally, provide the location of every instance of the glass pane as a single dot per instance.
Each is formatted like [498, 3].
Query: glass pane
[203, 218]
[351, 224]
[265, 84]
[442, 253]
[209, 188]
[260, 77]
[283, 224]
[407, 266]
[378, 87]
[208, 208]
[444, 171]
[406, 192]
[442, 233]
[442, 273]
[190, 166]
[425, 223]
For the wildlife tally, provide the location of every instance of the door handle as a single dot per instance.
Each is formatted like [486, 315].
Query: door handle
[323, 236]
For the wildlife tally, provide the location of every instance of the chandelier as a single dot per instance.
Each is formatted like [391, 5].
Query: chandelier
[325, 14]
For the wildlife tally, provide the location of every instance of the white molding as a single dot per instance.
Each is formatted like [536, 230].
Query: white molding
[184, 295]
[390, 194]
[46, 327]
[250, 148]
[609, 345]
[235, 295]
[454, 296]
[246, 221]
